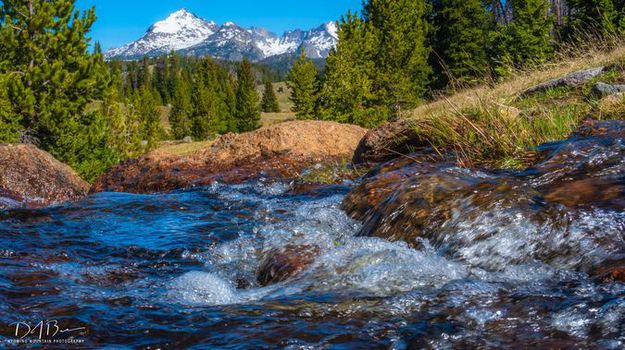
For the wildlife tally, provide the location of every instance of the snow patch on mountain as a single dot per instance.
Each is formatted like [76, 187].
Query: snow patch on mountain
[180, 30]
[184, 32]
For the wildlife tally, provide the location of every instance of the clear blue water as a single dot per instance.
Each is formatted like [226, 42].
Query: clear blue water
[178, 271]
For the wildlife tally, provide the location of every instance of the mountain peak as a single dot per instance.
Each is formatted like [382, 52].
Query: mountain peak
[178, 21]
[332, 29]
[187, 33]
[180, 13]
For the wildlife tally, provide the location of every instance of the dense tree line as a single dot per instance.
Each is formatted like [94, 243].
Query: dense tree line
[396, 53]
[61, 95]
[58, 94]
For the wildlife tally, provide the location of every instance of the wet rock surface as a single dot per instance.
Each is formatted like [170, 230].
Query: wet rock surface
[33, 178]
[280, 151]
[389, 141]
[286, 262]
[181, 269]
[577, 193]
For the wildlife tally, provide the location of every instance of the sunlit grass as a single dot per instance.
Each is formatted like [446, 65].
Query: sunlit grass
[494, 125]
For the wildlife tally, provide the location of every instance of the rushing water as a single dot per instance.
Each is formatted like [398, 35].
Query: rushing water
[178, 271]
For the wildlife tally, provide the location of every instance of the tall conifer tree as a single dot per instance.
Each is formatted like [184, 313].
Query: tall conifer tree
[303, 83]
[348, 90]
[461, 41]
[527, 40]
[402, 53]
[54, 76]
[247, 100]
[598, 16]
[146, 108]
[180, 117]
[269, 103]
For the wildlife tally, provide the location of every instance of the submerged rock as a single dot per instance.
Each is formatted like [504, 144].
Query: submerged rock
[568, 210]
[33, 178]
[279, 151]
[283, 263]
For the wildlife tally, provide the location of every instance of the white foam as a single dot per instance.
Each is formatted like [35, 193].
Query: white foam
[201, 288]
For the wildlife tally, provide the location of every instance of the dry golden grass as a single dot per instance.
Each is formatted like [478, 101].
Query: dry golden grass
[494, 126]
[268, 119]
[505, 92]
[283, 93]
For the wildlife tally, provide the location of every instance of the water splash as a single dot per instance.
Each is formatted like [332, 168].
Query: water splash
[180, 270]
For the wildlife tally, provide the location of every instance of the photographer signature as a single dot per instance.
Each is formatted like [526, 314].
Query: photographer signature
[42, 329]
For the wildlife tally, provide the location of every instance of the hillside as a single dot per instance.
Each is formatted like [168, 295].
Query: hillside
[495, 124]
[501, 124]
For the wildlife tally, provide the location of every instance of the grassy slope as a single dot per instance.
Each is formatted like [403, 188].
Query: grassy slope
[283, 94]
[495, 126]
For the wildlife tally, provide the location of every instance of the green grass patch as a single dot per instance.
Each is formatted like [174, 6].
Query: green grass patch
[493, 136]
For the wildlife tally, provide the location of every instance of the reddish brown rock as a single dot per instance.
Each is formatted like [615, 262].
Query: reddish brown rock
[610, 271]
[286, 262]
[279, 151]
[31, 177]
[406, 198]
[389, 141]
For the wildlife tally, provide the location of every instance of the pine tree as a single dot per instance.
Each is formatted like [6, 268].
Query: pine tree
[269, 103]
[97, 48]
[174, 73]
[303, 82]
[146, 109]
[595, 16]
[10, 127]
[114, 113]
[247, 100]
[161, 79]
[402, 54]
[348, 92]
[527, 40]
[54, 77]
[460, 41]
[181, 113]
[212, 106]
[145, 75]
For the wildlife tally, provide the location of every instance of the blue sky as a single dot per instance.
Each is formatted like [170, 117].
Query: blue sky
[122, 21]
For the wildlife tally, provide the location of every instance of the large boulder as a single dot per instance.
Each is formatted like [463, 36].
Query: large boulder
[279, 151]
[571, 80]
[33, 178]
[389, 141]
[566, 211]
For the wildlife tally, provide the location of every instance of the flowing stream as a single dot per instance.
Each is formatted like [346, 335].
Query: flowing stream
[179, 271]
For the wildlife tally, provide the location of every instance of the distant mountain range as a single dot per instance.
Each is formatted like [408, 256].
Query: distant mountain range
[188, 34]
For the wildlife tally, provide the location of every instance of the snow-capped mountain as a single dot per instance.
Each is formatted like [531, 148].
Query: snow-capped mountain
[189, 34]
[180, 30]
